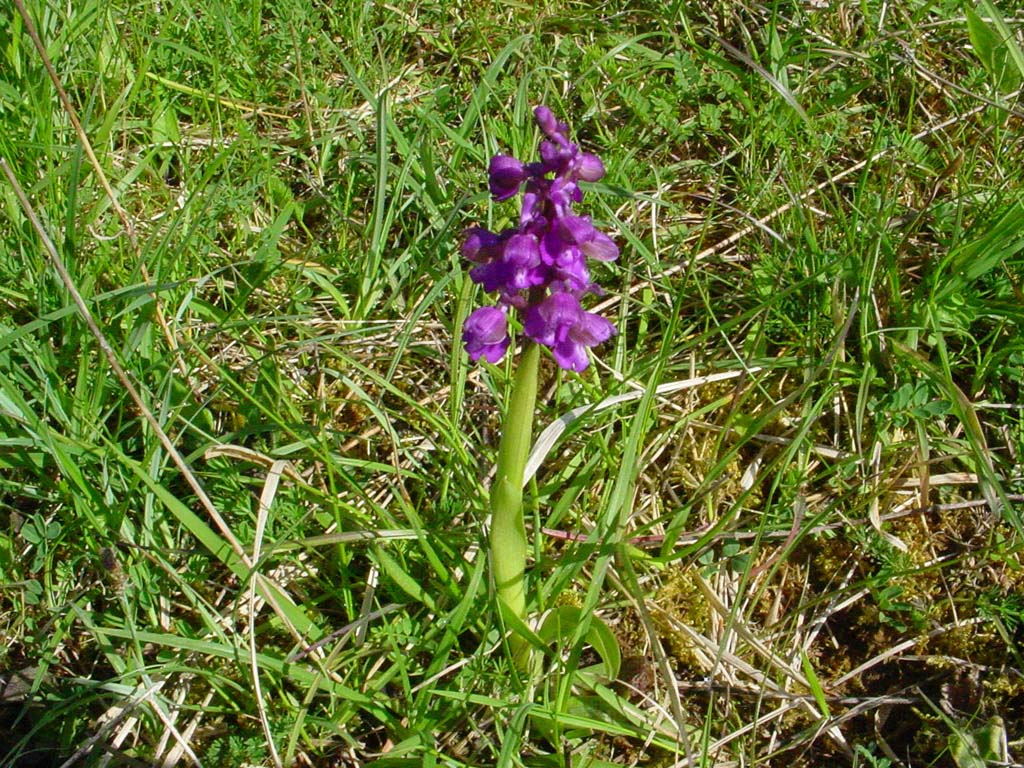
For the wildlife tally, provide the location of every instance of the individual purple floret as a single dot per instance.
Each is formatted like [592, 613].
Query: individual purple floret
[540, 266]
[559, 322]
[486, 334]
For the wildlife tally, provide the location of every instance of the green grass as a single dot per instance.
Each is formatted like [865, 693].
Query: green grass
[811, 559]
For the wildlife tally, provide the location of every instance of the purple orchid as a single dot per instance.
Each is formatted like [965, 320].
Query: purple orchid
[540, 266]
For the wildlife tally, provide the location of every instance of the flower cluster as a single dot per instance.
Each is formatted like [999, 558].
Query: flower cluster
[540, 267]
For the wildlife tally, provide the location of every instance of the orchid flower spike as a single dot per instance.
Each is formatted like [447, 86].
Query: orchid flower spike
[539, 268]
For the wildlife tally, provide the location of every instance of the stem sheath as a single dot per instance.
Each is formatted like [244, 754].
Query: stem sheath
[508, 532]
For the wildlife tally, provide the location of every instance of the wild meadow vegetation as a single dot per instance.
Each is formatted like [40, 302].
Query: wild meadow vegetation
[777, 520]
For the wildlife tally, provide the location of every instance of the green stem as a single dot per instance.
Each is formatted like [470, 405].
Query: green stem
[508, 533]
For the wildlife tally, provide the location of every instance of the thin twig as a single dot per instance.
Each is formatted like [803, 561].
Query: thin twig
[69, 108]
[83, 138]
[119, 371]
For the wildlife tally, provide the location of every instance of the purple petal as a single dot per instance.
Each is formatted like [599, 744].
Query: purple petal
[600, 247]
[561, 309]
[521, 251]
[576, 229]
[493, 276]
[479, 245]
[505, 175]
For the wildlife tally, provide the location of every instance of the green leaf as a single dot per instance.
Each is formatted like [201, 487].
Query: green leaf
[996, 46]
[1000, 240]
[165, 125]
[403, 580]
[30, 532]
[561, 623]
[979, 748]
[815, 685]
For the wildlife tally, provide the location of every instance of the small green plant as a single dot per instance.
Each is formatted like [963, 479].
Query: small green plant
[42, 535]
[235, 749]
[865, 756]
[911, 403]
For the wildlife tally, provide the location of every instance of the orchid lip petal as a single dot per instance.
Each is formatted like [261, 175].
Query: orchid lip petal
[571, 357]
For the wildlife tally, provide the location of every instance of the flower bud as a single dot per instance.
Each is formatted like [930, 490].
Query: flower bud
[505, 175]
[589, 167]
